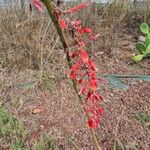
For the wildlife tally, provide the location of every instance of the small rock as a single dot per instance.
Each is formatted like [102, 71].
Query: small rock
[141, 39]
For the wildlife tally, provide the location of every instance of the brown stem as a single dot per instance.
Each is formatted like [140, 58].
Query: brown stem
[50, 10]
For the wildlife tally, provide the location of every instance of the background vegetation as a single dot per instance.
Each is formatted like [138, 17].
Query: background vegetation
[38, 108]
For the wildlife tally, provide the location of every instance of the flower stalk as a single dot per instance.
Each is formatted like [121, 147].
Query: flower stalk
[85, 61]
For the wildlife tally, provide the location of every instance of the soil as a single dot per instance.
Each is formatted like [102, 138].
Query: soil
[60, 114]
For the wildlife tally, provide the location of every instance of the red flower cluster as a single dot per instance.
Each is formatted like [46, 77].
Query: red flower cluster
[84, 71]
[84, 68]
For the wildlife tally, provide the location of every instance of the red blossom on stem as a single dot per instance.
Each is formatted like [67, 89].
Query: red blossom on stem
[77, 8]
[82, 90]
[94, 37]
[84, 69]
[85, 30]
[38, 5]
[92, 65]
[84, 56]
[86, 73]
[76, 22]
[63, 23]
[93, 122]
[73, 75]
[93, 84]
[74, 54]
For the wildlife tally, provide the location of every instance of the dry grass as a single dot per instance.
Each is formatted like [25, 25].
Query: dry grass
[28, 40]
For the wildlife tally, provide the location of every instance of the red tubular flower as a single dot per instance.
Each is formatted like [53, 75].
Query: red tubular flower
[74, 54]
[37, 4]
[93, 84]
[63, 23]
[84, 56]
[94, 37]
[92, 65]
[100, 111]
[77, 8]
[88, 97]
[92, 75]
[88, 109]
[73, 75]
[75, 67]
[82, 90]
[93, 122]
[89, 94]
[85, 30]
[81, 43]
[80, 81]
[76, 22]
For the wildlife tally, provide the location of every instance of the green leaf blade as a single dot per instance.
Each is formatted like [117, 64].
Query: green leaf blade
[144, 28]
[141, 47]
[147, 41]
[147, 52]
[138, 58]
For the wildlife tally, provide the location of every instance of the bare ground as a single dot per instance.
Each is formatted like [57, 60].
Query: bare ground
[61, 116]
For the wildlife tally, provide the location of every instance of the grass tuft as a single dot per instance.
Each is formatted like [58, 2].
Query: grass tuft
[144, 119]
[45, 143]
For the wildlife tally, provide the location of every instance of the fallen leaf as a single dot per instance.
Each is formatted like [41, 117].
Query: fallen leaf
[37, 110]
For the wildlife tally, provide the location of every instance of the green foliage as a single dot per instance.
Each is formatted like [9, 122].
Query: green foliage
[13, 129]
[20, 130]
[48, 81]
[144, 119]
[10, 126]
[138, 57]
[17, 145]
[6, 122]
[140, 47]
[143, 47]
[144, 28]
[45, 143]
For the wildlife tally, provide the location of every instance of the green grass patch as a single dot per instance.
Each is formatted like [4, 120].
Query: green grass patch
[12, 130]
[45, 143]
[14, 133]
[144, 119]
[48, 81]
